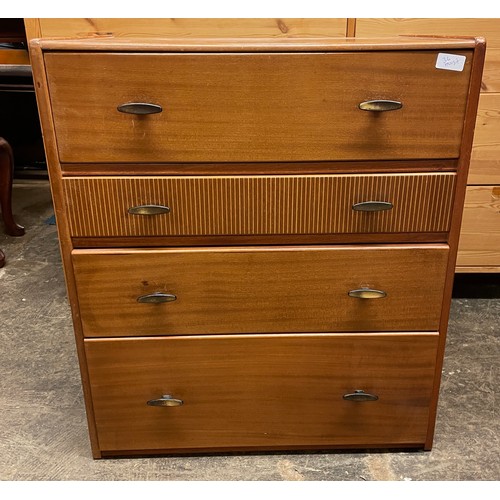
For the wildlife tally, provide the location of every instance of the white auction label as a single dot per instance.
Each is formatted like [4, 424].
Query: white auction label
[451, 62]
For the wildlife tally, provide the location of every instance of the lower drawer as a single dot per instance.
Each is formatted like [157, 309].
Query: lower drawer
[260, 289]
[261, 391]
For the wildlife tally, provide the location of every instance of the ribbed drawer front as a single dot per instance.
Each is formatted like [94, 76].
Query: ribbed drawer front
[256, 107]
[261, 390]
[259, 205]
[259, 289]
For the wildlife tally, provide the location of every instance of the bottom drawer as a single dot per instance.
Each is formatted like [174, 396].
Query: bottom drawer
[261, 391]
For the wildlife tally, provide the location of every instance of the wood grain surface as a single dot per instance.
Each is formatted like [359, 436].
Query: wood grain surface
[485, 160]
[261, 391]
[488, 28]
[242, 44]
[255, 107]
[190, 27]
[454, 234]
[251, 205]
[260, 289]
[260, 168]
[66, 246]
[263, 239]
[480, 234]
[275, 107]
[14, 56]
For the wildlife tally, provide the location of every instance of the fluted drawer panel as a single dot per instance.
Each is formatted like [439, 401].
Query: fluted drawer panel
[259, 205]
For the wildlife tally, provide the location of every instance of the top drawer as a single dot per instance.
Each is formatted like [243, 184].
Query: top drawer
[236, 107]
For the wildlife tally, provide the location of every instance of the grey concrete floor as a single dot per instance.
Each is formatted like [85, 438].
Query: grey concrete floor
[43, 432]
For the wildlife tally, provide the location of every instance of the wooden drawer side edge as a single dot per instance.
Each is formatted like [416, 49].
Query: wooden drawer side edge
[296, 239]
[259, 168]
[243, 44]
[278, 337]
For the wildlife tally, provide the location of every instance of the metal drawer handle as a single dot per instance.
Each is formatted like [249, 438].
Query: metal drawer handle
[372, 206]
[149, 210]
[156, 298]
[359, 396]
[380, 105]
[165, 400]
[139, 108]
[367, 293]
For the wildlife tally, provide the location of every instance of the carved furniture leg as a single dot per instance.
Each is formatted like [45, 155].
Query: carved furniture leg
[6, 176]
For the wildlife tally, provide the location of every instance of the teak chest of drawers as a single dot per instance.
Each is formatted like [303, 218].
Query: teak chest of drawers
[258, 235]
